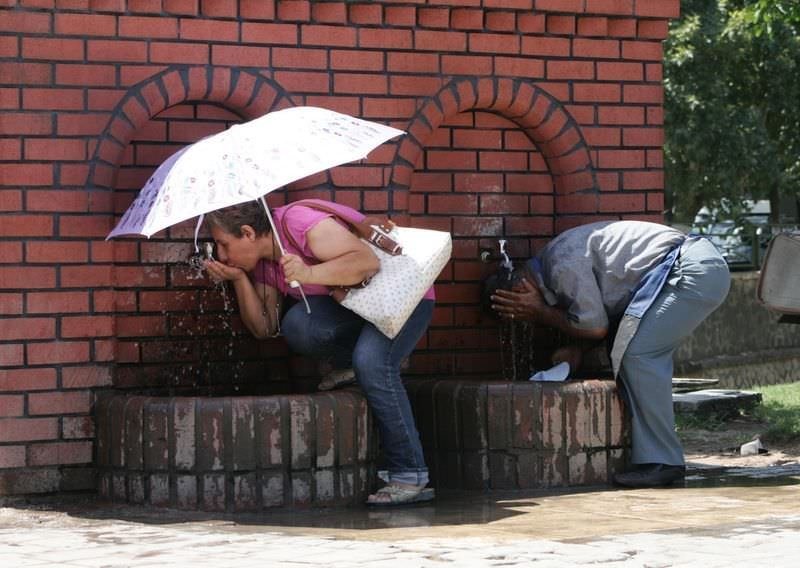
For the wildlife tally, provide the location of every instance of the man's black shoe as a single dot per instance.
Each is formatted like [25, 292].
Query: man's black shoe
[651, 475]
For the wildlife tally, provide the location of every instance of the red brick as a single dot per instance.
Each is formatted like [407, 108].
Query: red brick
[574, 6]
[304, 81]
[622, 7]
[26, 225]
[413, 62]
[413, 85]
[84, 226]
[57, 352]
[653, 29]
[28, 429]
[328, 36]
[56, 302]
[208, 30]
[219, 8]
[620, 159]
[85, 24]
[87, 326]
[466, 19]
[434, 18]
[22, 22]
[27, 277]
[116, 51]
[297, 58]
[63, 453]
[55, 149]
[80, 74]
[294, 10]
[11, 149]
[548, 46]
[658, 8]
[160, 27]
[144, 6]
[10, 252]
[643, 180]
[10, 304]
[357, 60]
[596, 48]
[501, 21]
[11, 405]
[9, 98]
[599, 136]
[622, 203]
[453, 204]
[494, 43]
[52, 99]
[366, 13]
[72, 402]
[653, 94]
[643, 137]
[56, 252]
[400, 15]
[563, 25]
[622, 27]
[425, 40]
[12, 456]
[329, 12]
[9, 46]
[257, 9]
[570, 70]
[77, 427]
[85, 276]
[26, 73]
[286, 34]
[607, 71]
[172, 52]
[597, 92]
[593, 26]
[620, 115]
[23, 380]
[11, 354]
[25, 123]
[642, 50]
[385, 38]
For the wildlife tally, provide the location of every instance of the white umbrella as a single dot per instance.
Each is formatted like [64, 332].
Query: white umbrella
[246, 162]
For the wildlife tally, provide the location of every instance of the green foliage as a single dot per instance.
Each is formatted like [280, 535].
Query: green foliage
[732, 84]
[780, 409]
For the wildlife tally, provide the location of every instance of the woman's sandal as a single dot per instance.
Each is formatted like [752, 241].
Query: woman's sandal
[400, 494]
[336, 379]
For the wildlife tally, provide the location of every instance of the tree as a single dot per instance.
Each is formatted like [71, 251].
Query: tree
[732, 84]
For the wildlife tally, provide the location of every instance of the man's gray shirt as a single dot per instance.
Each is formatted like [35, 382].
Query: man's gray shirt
[593, 270]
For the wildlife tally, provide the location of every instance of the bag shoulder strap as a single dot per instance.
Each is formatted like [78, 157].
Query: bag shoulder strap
[372, 229]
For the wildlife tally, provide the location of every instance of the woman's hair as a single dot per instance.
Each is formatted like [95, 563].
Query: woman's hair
[230, 219]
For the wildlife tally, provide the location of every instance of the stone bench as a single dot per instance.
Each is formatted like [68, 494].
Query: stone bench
[249, 453]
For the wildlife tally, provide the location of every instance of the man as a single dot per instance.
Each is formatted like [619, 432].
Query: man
[654, 286]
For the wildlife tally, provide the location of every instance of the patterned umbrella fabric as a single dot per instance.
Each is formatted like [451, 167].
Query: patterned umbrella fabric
[247, 161]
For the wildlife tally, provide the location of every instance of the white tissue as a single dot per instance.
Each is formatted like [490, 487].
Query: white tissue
[555, 374]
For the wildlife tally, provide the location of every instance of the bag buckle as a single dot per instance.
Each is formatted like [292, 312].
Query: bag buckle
[383, 241]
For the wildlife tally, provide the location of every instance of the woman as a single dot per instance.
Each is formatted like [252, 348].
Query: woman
[326, 255]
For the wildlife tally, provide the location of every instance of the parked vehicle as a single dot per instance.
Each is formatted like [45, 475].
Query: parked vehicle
[742, 241]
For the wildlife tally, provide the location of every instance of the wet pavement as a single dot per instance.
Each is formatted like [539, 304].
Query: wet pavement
[718, 517]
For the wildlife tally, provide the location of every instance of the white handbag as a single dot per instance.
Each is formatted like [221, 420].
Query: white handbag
[411, 260]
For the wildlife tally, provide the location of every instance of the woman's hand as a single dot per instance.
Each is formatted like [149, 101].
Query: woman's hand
[524, 302]
[295, 268]
[220, 272]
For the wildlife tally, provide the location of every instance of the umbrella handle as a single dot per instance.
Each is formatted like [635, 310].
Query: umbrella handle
[293, 283]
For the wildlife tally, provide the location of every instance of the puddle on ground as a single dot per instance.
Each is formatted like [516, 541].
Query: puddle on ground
[771, 476]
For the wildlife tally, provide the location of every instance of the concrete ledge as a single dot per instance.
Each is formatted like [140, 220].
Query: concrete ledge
[320, 449]
[519, 435]
[235, 453]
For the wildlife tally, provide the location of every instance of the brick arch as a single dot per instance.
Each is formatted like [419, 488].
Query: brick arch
[541, 116]
[244, 92]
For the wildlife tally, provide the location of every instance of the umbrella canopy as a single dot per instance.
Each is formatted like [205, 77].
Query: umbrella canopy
[247, 161]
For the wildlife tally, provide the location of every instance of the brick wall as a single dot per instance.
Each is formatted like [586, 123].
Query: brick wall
[525, 117]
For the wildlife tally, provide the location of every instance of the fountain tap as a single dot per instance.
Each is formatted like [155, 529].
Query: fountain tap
[506, 263]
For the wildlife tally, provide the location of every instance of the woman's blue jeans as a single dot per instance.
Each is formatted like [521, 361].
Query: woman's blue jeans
[336, 334]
